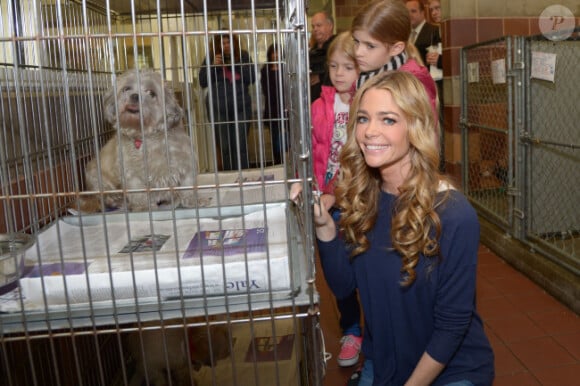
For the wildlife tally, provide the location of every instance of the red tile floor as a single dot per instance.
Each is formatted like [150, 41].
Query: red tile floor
[536, 339]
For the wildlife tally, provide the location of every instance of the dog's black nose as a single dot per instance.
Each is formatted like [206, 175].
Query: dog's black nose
[134, 98]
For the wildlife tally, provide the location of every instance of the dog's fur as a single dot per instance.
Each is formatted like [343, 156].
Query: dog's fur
[163, 354]
[156, 150]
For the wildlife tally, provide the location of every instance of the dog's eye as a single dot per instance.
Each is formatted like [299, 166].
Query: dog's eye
[126, 88]
[151, 93]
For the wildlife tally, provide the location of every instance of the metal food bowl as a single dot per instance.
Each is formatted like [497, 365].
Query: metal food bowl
[12, 248]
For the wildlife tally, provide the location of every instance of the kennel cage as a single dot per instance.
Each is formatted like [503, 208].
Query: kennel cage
[76, 287]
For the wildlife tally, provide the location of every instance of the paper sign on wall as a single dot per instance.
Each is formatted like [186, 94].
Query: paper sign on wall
[473, 72]
[498, 71]
[543, 65]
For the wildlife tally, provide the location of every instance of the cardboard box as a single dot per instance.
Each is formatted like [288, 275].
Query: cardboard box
[264, 353]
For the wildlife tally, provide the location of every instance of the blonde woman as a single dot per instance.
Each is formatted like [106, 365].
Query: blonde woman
[408, 241]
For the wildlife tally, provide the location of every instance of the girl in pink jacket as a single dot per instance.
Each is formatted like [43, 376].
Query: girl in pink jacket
[330, 113]
[329, 120]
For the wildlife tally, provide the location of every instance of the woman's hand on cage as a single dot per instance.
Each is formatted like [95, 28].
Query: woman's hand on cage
[328, 200]
[296, 193]
[325, 226]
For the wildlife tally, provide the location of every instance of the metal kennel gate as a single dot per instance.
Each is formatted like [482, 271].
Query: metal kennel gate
[219, 294]
[519, 120]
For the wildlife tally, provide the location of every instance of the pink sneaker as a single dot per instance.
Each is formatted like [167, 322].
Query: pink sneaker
[349, 350]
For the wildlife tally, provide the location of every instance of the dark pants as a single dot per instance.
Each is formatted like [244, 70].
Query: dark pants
[279, 144]
[349, 309]
[231, 132]
[227, 136]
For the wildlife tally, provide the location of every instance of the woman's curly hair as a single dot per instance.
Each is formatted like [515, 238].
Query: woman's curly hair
[416, 226]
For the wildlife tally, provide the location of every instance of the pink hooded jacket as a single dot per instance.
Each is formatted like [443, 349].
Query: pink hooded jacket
[322, 128]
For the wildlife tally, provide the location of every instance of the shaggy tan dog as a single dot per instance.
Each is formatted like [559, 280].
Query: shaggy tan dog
[150, 152]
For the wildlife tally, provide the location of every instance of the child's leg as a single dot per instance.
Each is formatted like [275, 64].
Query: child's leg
[350, 324]
[349, 309]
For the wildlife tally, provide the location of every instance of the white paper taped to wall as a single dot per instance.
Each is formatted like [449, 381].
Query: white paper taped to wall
[543, 65]
[473, 72]
[498, 71]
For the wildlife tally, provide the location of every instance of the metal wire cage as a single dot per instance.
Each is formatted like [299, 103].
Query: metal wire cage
[220, 292]
[519, 140]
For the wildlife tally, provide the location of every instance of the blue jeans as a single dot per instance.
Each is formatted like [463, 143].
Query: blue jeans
[366, 377]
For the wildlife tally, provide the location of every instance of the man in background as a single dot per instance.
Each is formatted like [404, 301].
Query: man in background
[435, 11]
[322, 35]
[433, 59]
[426, 37]
[423, 34]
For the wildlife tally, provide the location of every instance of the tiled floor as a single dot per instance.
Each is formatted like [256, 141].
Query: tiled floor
[535, 338]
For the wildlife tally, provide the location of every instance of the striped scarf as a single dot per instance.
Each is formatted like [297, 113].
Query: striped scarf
[395, 63]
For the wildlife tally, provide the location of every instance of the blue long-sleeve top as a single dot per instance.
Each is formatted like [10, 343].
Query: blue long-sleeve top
[435, 314]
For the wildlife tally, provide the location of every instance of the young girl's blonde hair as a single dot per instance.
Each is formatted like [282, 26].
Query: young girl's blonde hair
[342, 43]
[387, 21]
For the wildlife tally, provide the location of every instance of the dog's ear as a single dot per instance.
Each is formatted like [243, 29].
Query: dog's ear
[173, 111]
[110, 106]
